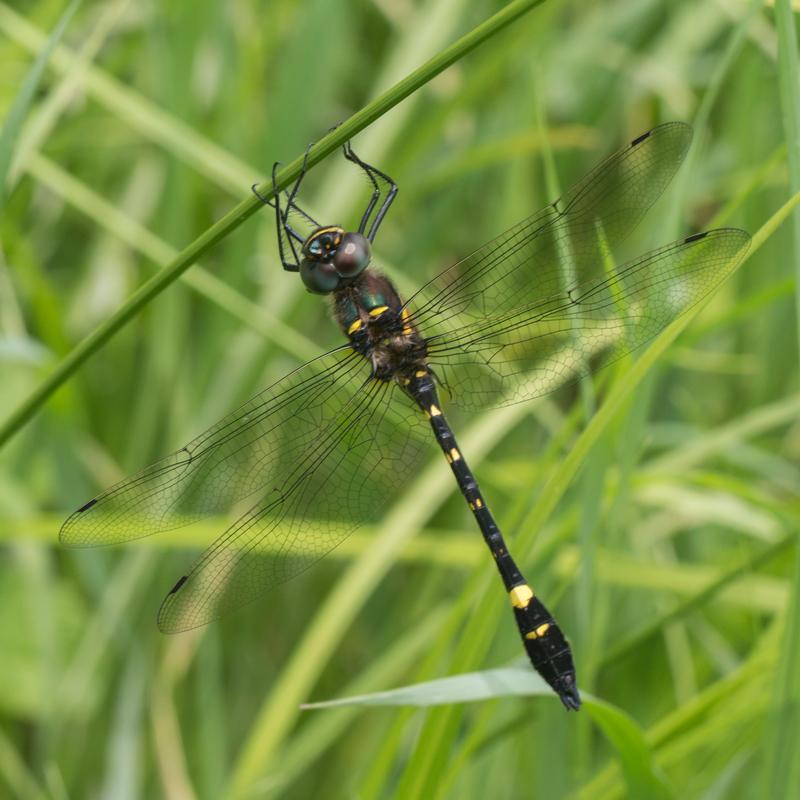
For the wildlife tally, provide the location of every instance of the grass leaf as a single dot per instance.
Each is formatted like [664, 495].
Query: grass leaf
[19, 108]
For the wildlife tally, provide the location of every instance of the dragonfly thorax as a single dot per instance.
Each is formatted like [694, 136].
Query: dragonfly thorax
[333, 258]
[372, 315]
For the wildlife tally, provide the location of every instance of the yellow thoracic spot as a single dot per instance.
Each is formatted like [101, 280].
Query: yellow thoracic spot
[454, 454]
[354, 327]
[404, 314]
[521, 596]
[376, 312]
[434, 411]
[539, 632]
[420, 373]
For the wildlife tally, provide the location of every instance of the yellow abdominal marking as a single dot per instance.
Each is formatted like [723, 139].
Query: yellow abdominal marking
[355, 326]
[434, 411]
[539, 632]
[521, 596]
[479, 503]
[455, 455]
[376, 312]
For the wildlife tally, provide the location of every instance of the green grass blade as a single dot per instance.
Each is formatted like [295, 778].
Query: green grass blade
[695, 601]
[15, 773]
[322, 730]
[642, 778]
[46, 117]
[782, 767]
[19, 108]
[470, 687]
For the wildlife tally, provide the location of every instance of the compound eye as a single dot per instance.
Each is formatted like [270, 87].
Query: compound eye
[319, 277]
[352, 255]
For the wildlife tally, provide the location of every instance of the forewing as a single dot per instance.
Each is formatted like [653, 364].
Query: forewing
[529, 350]
[561, 246]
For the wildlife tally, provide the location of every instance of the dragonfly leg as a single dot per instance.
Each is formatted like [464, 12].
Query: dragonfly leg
[290, 196]
[287, 235]
[376, 191]
[284, 230]
[376, 177]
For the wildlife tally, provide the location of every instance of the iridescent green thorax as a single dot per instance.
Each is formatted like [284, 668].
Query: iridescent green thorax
[371, 314]
[370, 291]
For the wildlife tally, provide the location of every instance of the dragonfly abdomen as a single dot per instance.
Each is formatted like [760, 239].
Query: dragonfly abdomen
[544, 641]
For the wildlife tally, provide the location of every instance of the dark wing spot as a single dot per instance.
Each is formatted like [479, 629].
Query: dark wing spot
[87, 506]
[640, 139]
[695, 237]
[178, 584]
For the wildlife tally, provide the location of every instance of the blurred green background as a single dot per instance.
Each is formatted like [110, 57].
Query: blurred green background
[668, 556]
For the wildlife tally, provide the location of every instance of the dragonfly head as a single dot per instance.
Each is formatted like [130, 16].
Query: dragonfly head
[332, 258]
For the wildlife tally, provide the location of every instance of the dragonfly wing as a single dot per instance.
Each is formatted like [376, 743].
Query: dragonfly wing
[562, 245]
[243, 453]
[342, 481]
[532, 349]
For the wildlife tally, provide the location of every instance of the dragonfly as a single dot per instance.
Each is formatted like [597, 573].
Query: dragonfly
[323, 450]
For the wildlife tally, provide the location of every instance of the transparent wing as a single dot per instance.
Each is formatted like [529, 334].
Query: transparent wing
[342, 482]
[526, 351]
[244, 453]
[563, 245]
[320, 451]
